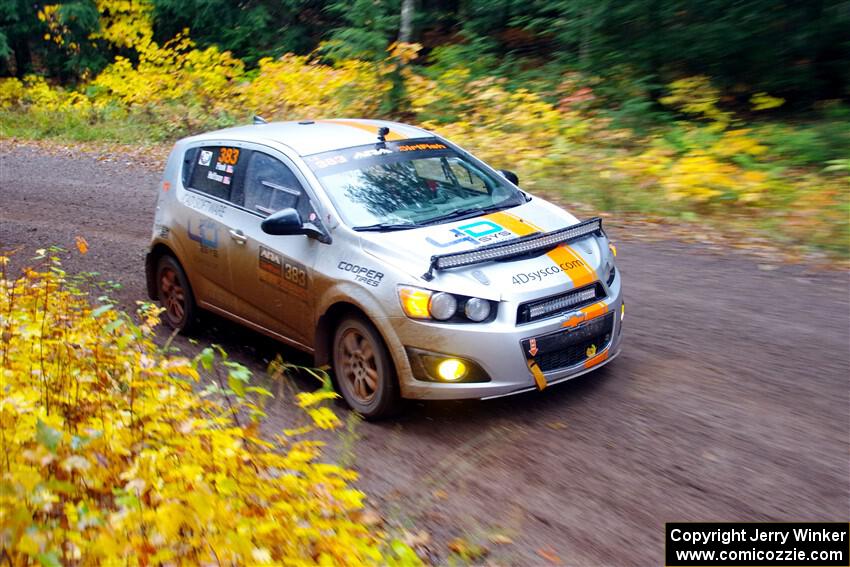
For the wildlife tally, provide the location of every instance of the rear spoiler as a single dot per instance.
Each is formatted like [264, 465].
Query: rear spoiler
[517, 247]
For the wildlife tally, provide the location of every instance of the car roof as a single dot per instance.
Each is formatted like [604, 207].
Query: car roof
[308, 137]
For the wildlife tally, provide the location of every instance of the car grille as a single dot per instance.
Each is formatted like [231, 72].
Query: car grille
[555, 305]
[595, 333]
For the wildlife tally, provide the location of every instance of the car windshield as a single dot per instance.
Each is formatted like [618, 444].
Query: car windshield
[397, 185]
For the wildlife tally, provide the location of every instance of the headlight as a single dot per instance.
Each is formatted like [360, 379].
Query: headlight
[414, 302]
[442, 306]
[477, 309]
[420, 303]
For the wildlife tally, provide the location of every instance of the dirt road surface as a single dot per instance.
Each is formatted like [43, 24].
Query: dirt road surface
[730, 400]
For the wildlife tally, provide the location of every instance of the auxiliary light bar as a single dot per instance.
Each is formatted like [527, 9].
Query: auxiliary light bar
[518, 247]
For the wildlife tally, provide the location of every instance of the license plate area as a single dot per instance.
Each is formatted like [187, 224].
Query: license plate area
[570, 346]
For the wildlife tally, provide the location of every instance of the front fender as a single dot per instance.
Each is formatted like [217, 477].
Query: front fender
[348, 293]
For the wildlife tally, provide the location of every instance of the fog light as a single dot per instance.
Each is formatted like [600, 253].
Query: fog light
[613, 249]
[451, 369]
[622, 310]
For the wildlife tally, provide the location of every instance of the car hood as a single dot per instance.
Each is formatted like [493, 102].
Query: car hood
[566, 267]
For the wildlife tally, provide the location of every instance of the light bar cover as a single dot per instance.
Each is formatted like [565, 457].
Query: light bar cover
[517, 247]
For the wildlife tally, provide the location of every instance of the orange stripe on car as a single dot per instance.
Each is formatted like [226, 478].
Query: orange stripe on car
[601, 357]
[565, 257]
[366, 127]
[539, 378]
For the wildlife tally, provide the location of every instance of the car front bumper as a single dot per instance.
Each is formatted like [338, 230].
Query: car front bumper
[498, 348]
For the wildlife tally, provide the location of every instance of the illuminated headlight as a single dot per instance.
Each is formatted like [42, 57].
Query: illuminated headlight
[477, 309]
[442, 306]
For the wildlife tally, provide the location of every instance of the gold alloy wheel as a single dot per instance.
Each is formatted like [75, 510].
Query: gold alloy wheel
[172, 295]
[359, 366]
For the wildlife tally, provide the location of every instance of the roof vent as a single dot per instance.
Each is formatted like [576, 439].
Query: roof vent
[259, 120]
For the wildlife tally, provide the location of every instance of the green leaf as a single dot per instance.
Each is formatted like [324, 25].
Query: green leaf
[49, 559]
[238, 371]
[101, 310]
[206, 358]
[260, 391]
[47, 436]
[236, 385]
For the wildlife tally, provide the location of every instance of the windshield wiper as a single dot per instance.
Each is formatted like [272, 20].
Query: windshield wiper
[468, 213]
[383, 226]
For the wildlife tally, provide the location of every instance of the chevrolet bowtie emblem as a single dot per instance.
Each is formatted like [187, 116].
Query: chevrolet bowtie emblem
[532, 347]
[591, 350]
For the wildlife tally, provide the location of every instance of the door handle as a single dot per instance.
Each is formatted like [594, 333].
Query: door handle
[238, 237]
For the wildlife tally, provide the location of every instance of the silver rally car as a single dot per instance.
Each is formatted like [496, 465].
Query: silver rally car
[408, 265]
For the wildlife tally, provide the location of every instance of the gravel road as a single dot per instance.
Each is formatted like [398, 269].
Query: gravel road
[730, 400]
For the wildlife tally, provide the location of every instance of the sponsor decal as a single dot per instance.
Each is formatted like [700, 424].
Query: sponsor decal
[163, 231]
[281, 272]
[532, 347]
[166, 186]
[422, 146]
[204, 205]
[205, 234]
[229, 169]
[226, 180]
[362, 274]
[562, 256]
[206, 157]
[372, 153]
[478, 232]
[215, 176]
[323, 162]
[562, 267]
[228, 156]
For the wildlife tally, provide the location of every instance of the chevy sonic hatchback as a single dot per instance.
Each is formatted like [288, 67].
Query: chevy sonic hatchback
[408, 265]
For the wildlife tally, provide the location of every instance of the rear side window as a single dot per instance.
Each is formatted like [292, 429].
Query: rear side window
[270, 186]
[213, 169]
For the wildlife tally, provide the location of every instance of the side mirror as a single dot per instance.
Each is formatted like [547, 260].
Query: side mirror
[510, 176]
[288, 222]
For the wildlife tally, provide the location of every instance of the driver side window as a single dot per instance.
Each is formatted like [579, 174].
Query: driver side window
[270, 186]
[466, 177]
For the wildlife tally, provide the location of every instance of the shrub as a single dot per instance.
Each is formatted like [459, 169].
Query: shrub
[111, 456]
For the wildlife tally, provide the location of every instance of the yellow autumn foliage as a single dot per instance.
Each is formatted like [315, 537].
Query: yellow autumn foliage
[176, 71]
[294, 87]
[116, 452]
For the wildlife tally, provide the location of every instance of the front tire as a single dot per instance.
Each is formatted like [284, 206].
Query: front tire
[364, 371]
[175, 295]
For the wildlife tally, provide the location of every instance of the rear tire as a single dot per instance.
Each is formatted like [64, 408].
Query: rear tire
[175, 295]
[363, 369]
